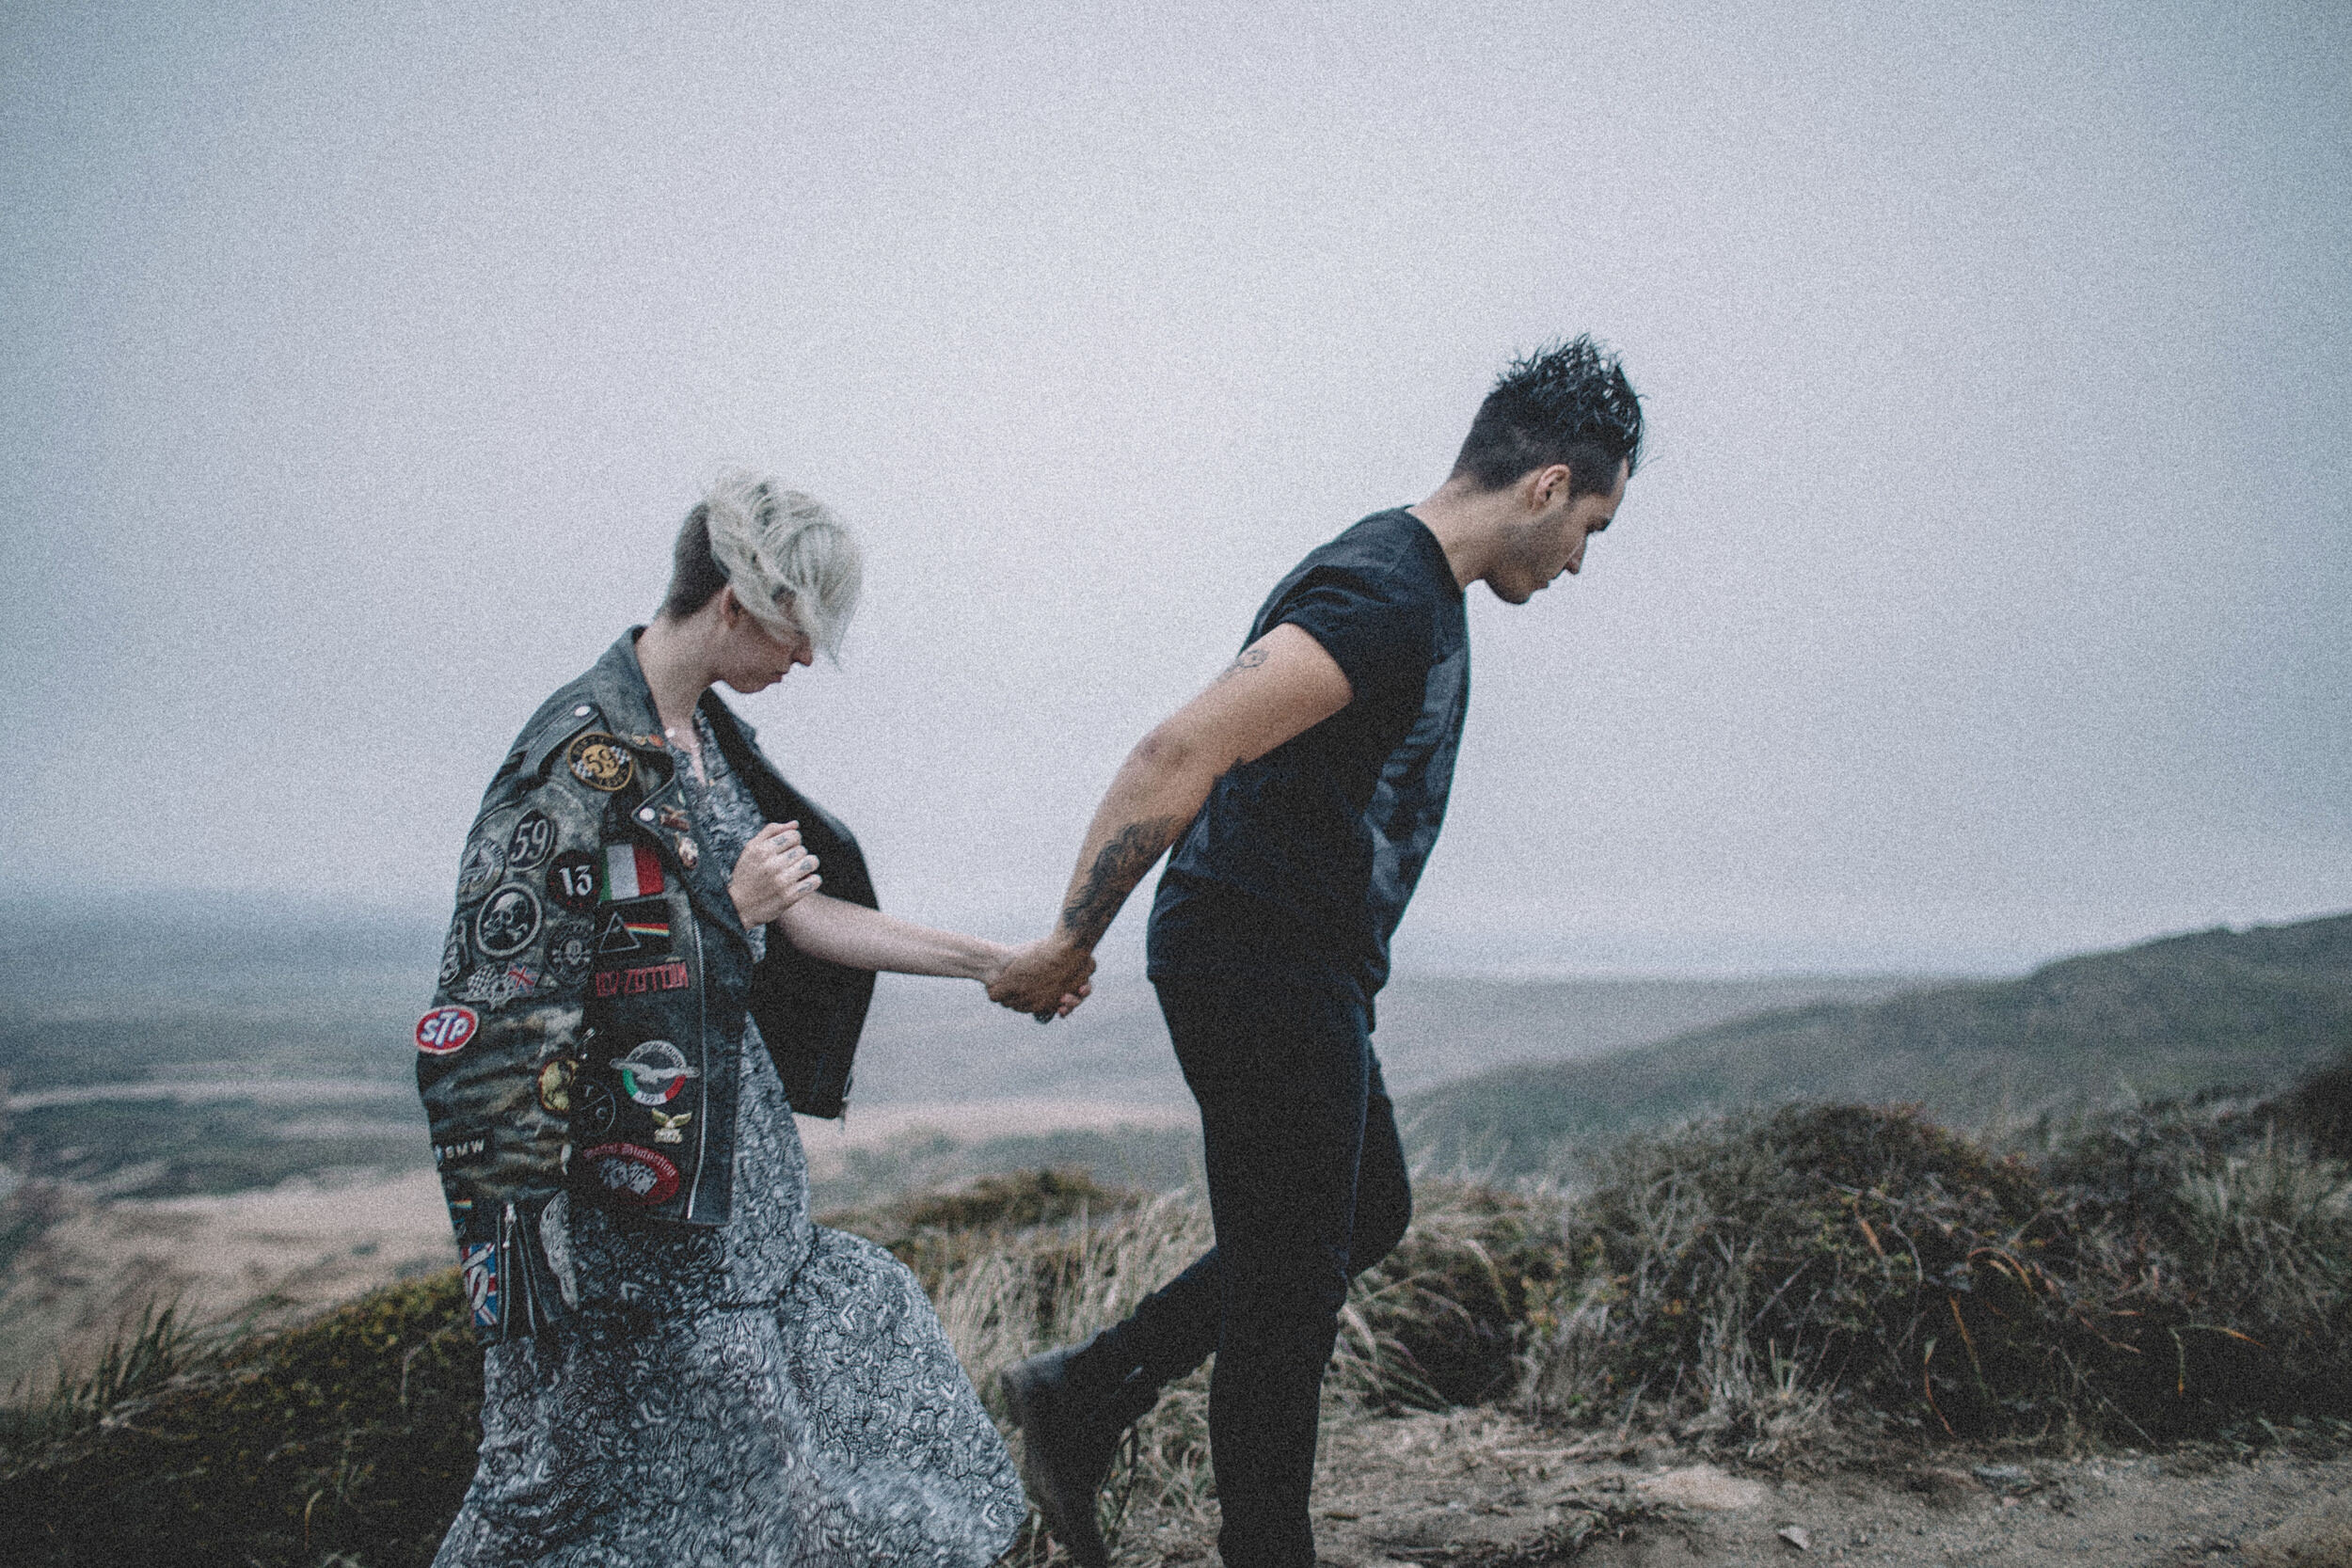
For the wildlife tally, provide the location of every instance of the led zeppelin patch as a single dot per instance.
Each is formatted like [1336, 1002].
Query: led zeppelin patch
[446, 1029]
[481, 1271]
[655, 1073]
[598, 761]
[531, 841]
[630, 871]
[641, 928]
[636, 982]
[508, 921]
[631, 1175]
[572, 881]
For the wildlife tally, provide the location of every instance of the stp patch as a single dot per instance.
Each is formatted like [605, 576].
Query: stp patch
[446, 1029]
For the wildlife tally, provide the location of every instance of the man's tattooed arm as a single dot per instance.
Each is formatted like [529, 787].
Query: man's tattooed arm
[1249, 658]
[1118, 867]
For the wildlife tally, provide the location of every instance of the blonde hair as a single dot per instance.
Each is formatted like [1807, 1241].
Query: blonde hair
[793, 565]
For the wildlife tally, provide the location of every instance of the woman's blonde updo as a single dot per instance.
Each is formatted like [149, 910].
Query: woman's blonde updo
[792, 563]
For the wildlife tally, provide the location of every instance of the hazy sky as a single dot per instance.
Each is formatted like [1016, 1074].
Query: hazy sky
[1985, 596]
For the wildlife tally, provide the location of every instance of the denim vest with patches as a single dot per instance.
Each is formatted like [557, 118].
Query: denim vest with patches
[587, 1035]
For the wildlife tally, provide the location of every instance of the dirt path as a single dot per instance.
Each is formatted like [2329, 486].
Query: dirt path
[1482, 1489]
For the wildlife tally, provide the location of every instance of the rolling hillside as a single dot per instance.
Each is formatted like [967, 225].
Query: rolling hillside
[2250, 1009]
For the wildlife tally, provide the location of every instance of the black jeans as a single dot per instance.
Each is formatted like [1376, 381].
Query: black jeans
[1306, 1187]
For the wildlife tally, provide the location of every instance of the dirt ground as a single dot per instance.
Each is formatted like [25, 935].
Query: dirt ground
[1484, 1489]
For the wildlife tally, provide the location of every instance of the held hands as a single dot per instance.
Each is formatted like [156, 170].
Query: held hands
[1048, 977]
[775, 874]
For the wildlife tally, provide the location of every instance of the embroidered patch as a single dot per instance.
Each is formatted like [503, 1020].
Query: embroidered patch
[446, 1029]
[655, 1073]
[555, 1085]
[642, 926]
[531, 842]
[630, 871]
[453, 953]
[598, 760]
[636, 982]
[461, 1151]
[671, 1129]
[507, 922]
[572, 881]
[569, 958]
[594, 1107]
[489, 987]
[631, 1175]
[481, 1271]
[481, 866]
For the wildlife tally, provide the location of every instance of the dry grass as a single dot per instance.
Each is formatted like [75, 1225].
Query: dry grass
[1742, 1283]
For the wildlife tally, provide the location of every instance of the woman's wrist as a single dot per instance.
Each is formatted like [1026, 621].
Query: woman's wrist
[987, 960]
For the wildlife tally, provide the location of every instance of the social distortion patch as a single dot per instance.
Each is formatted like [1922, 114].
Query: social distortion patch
[633, 1174]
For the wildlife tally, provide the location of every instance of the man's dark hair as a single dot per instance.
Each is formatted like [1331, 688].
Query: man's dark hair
[695, 574]
[1568, 403]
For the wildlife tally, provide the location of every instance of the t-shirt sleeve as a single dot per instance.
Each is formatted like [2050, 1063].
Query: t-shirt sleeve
[1376, 632]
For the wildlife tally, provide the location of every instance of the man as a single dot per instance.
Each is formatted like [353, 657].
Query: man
[1301, 792]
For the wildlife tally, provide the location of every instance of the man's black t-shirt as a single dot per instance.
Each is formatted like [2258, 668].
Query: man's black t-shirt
[1312, 850]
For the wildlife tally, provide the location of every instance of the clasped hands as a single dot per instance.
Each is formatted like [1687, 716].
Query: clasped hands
[1048, 978]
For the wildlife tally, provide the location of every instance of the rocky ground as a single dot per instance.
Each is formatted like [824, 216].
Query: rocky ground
[1482, 1489]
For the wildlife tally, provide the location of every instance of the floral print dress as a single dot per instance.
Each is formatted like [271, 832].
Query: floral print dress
[770, 1394]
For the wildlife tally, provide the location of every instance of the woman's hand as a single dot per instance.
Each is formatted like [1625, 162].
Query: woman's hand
[775, 874]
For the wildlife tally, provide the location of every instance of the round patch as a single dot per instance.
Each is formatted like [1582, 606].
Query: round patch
[555, 1085]
[446, 1029]
[633, 1176]
[572, 881]
[507, 922]
[569, 958]
[483, 864]
[453, 953]
[531, 841]
[594, 1107]
[598, 760]
[655, 1073]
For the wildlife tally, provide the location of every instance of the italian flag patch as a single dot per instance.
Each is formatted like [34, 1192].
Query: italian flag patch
[630, 871]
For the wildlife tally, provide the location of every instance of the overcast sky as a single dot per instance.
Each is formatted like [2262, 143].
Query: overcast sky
[1985, 597]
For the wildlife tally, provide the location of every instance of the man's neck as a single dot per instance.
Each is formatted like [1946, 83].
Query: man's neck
[1469, 524]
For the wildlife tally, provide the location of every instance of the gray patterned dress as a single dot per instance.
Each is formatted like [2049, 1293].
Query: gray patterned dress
[769, 1394]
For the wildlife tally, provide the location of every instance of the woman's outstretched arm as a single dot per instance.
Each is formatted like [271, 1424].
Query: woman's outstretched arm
[859, 937]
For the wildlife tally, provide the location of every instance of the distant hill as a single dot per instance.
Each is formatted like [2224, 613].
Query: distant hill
[2250, 1009]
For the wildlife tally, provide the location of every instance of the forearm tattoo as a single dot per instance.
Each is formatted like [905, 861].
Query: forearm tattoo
[1249, 658]
[1117, 869]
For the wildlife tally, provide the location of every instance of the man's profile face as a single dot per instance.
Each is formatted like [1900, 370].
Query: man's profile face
[1553, 541]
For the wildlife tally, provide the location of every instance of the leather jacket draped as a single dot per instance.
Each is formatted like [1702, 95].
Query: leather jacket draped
[585, 1036]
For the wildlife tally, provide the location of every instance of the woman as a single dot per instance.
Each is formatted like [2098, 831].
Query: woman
[682, 1369]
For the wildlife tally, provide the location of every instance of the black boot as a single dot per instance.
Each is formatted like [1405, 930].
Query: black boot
[1072, 1416]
